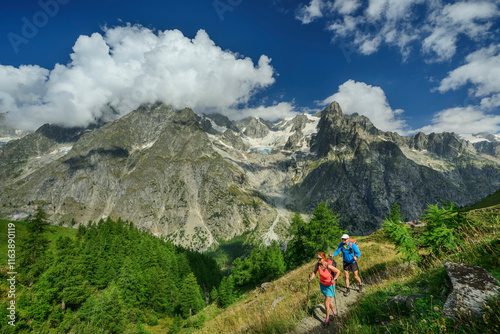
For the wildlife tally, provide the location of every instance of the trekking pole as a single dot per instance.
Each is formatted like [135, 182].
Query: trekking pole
[307, 303]
[336, 308]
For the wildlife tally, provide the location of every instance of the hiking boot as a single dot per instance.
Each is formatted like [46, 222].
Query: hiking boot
[347, 292]
[325, 324]
[361, 288]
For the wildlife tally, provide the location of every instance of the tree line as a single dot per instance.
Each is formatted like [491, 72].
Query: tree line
[112, 278]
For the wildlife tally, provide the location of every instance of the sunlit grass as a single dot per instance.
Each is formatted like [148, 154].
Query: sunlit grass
[254, 313]
[373, 314]
[388, 276]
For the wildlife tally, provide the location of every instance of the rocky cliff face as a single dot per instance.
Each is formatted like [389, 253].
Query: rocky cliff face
[197, 179]
[7, 132]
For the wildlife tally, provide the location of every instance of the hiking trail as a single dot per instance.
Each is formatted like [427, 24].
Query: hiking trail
[312, 323]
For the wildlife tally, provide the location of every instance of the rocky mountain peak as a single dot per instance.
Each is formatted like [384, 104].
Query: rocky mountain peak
[186, 117]
[62, 134]
[335, 131]
[196, 179]
[231, 139]
[223, 122]
[299, 122]
[445, 144]
[256, 129]
[333, 110]
[365, 122]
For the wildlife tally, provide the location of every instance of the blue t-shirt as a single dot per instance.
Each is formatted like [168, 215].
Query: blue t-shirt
[346, 252]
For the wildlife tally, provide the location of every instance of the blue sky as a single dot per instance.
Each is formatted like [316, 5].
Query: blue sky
[409, 65]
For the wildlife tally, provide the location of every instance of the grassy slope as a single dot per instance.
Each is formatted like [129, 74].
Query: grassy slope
[492, 201]
[54, 233]
[254, 313]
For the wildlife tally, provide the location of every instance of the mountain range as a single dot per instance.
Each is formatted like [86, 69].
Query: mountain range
[198, 179]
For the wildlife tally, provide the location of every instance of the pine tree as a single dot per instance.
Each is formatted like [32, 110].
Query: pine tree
[226, 291]
[34, 246]
[106, 311]
[190, 297]
[214, 295]
[241, 271]
[324, 230]
[398, 232]
[296, 249]
[257, 264]
[274, 261]
[128, 283]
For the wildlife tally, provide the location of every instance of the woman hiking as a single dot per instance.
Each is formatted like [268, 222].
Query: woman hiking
[326, 282]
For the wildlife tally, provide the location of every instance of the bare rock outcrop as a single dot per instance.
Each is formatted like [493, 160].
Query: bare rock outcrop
[472, 286]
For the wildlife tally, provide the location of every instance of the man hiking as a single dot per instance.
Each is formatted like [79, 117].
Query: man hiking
[351, 254]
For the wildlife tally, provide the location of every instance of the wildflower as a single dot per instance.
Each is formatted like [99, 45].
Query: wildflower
[391, 317]
[424, 321]
[436, 308]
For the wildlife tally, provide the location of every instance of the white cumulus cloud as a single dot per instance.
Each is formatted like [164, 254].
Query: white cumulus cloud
[115, 72]
[345, 6]
[481, 75]
[431, 27]
[482, 70]
[445, 25]
[307, 14]
[271, 113]
[370, 101]
[463, 120]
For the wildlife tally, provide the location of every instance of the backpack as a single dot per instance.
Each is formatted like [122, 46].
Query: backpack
[331, 273]
[352, 241]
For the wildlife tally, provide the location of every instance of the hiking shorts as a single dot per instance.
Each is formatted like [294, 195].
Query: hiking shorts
[352, 267]
[327, 290]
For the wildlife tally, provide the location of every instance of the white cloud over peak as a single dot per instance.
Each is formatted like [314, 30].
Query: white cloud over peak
[370, 101]
[463, 120]
[271, 113]
[125, 67]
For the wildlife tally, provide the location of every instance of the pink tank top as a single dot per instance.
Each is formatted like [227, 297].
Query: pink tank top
[325, 276]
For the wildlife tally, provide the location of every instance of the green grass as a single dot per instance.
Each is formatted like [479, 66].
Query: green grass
[374, 314]
[492, 200]
[53, 234]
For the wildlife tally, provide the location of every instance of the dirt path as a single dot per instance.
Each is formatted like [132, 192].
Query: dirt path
[312, 324]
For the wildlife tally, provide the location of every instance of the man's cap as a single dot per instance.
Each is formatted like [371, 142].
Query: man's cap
[345, 236]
